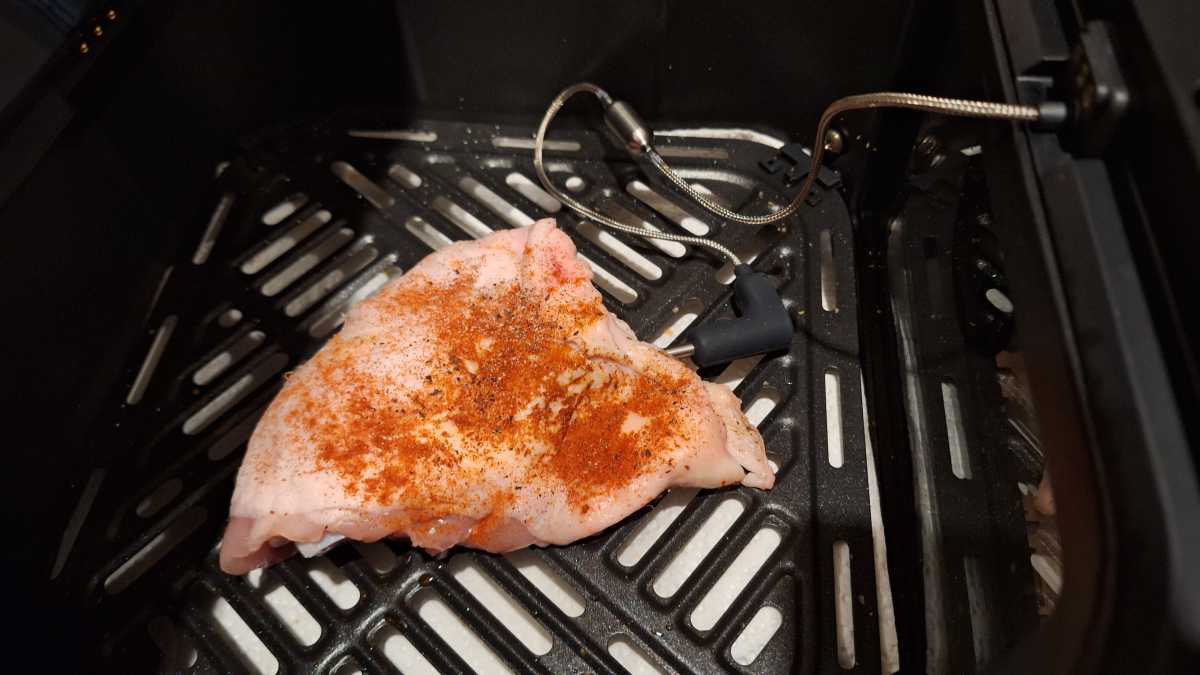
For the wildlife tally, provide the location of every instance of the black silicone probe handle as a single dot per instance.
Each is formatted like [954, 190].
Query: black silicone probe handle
[764, 325]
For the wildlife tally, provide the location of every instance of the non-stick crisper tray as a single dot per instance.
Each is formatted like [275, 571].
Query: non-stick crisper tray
[311, 219]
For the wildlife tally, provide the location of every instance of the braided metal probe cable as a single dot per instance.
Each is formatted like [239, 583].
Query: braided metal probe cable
[587, 212]
[936, 104]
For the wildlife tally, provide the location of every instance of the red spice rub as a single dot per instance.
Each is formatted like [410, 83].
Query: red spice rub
[506, 377]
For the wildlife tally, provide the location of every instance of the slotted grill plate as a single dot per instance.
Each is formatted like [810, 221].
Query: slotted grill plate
[312, 219]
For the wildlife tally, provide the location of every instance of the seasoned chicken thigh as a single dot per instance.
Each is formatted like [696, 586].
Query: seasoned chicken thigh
[485, 398]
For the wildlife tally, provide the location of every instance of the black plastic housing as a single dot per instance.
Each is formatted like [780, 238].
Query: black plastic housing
[762, 327]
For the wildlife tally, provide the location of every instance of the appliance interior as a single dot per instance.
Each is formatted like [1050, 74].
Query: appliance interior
[240, 176]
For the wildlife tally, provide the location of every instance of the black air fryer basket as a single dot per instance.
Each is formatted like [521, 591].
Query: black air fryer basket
[194, 197]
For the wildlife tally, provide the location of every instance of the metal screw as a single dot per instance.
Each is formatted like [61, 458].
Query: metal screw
[834, 141]
[97, 31]
[111, 15]
[83, 48]
[999, 299]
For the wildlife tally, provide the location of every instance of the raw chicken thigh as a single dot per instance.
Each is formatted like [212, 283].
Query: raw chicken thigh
[485, 398]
